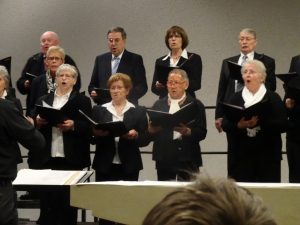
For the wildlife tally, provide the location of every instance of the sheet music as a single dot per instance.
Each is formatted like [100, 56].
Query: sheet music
[48, 177]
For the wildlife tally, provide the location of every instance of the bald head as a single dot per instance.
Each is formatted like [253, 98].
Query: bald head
[48, 39]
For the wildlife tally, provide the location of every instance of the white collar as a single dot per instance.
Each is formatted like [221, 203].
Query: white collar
[184, 54]
[176, 100]
[4, 94]
[251, 99]
[109, 106]
[119, 56]
[250, 55]
[67, 95]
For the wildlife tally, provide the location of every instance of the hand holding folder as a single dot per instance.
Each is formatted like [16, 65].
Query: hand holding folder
[115, 128]
[186, 115]
[234, 112]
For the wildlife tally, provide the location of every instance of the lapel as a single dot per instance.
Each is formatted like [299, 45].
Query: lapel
[124, 62]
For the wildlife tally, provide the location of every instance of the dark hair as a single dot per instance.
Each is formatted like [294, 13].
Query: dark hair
[207, 202]
[117, 29]
[179, 30]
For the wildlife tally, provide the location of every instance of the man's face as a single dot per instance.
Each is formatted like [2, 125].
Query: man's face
[47, 40]
[176, 85]
[116, 43]
[247, 42]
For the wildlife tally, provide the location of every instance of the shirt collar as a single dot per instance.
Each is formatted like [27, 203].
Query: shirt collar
[119, 56]
[67, 95]
[184, 54]
[249, 55]
[109, 106]
[4, 94]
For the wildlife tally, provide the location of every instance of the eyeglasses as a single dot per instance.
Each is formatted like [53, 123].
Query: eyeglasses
[54, 58]
[176, 83]
[246, 38]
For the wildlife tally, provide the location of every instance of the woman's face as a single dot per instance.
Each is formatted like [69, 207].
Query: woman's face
[65, 81]
[2, 84]
[53, 61]
[118, 91]
[175, 41]
[252, 78]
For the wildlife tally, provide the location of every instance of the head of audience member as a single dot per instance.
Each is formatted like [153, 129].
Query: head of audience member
[254, 75]
[54, 58]
[48, 39]
[119, 86]
[66, 77]
[177, 83]
[116, 38]
[4, 80]
[210, 201]
[176, 38]
[247, 40]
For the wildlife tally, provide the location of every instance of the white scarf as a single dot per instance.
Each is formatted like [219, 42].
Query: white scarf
[251, 99]
[174, 107]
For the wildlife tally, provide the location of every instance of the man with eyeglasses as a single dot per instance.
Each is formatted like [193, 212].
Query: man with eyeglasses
[118, 60]
[35, 65]
[176, 150]
[228, 86]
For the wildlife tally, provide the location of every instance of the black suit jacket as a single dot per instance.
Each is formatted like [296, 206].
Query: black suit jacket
[170, 152]
[35, 66]
[130, 64]
[129, 153]
[14, 129]
[76, 142]
[193, 68]
[226, 88]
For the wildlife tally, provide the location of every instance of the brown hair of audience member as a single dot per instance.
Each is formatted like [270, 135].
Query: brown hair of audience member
[122, 77]
[177, 30]
[210, 202]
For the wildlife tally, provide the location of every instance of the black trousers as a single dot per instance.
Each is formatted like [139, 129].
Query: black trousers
[250, 169]
[55, 206]
[8, 209]
[293, 156]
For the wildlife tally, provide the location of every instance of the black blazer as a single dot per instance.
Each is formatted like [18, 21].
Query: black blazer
[193, 68]
[169, 151]
[267, 144]
[35, 66]
[14, 129]
[76, 142]
[227, 84]
[129, 152]
[130, 64]
[294, 113]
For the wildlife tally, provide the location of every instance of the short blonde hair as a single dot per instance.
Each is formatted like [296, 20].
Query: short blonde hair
[122, 77]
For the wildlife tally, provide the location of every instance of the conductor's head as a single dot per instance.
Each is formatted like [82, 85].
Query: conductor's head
[210, 202]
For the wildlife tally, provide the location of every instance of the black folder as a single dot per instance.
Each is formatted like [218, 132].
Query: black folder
[30, 76]
[185, 115]
[115, 128]
[286, 77]
[235, 71]
[164, 70]
[53, 116]
[292, 89]
[234, 112]
[103, 95]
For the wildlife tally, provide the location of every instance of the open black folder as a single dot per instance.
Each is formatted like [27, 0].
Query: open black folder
[53, 116]
[235, 71]
[234, 112]
[185, 115]
[30, 76]
[115, 128]
[286, 77]
[292, 89]
[103, 95]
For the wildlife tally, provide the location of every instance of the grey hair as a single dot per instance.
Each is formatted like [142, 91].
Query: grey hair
[181, 72]
[249, 31]
[5, 75]
[67, 67]
[258, 65]
[57, 49]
